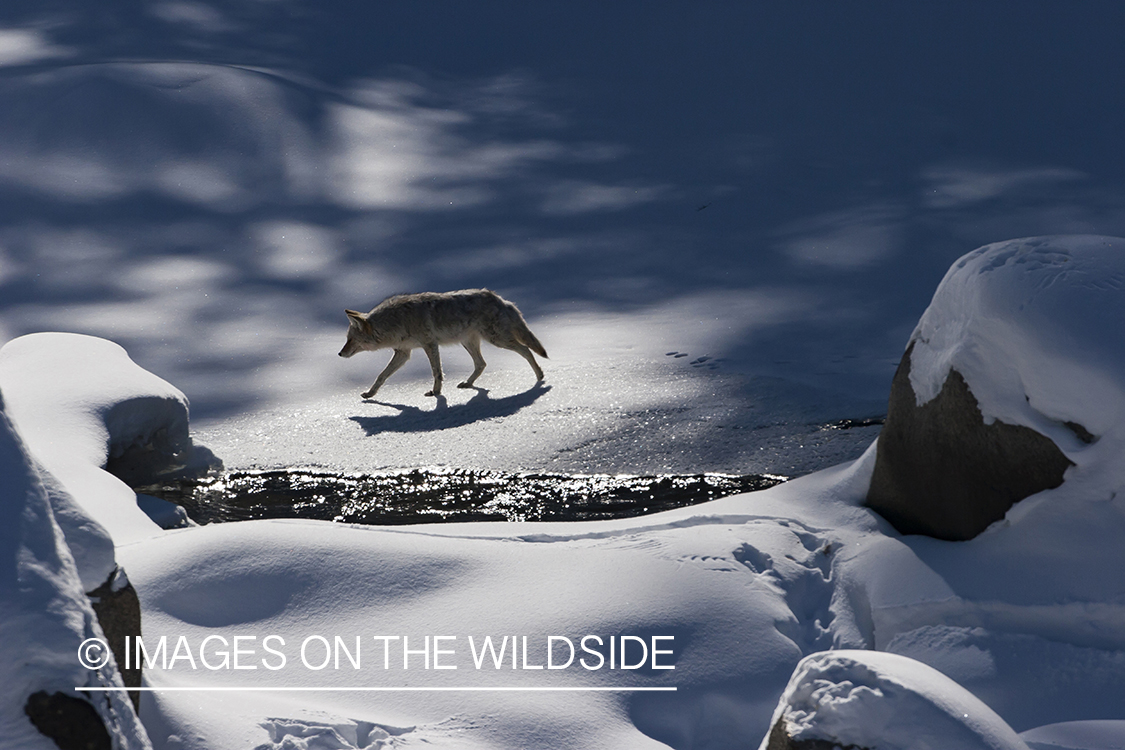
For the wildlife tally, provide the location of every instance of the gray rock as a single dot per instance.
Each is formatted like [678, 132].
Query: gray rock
[941, 471]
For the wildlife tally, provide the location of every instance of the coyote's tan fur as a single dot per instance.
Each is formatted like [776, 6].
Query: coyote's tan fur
[409, 321]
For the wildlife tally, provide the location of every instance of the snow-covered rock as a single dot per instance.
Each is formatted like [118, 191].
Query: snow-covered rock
[1013, 380]
[45, 619]
[1035, 328]
[79, 402]
[874, 700]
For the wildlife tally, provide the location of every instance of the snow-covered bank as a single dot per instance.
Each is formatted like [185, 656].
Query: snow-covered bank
[746, 586]
[743, 592]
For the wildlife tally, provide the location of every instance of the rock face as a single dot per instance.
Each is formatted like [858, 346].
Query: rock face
[941, 471]
[71, 722]
[118, 609]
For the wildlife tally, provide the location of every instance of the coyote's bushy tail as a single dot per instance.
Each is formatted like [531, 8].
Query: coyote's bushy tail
[527, 338]
[517, 325]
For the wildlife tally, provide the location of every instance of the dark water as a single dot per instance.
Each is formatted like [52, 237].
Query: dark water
[444, 495]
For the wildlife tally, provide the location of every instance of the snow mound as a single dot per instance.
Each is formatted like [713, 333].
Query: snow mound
[1034, 327]
[80, 402]
[870, 699]
[46, 615]
[1106, 734]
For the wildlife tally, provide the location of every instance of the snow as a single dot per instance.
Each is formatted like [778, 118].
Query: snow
[870, 699]
[723, 221]
[894, 631]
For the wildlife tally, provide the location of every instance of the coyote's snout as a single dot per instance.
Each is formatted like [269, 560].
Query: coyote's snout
[409, 321]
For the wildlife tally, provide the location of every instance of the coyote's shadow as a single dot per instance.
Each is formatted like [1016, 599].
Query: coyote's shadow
[444, 417]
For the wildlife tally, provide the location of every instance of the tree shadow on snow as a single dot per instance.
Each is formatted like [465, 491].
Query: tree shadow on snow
[444, 417]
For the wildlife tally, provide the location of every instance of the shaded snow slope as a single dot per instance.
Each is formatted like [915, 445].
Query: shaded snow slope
[46, 615]
[742, 589]
[1108, 734]
[211, 184]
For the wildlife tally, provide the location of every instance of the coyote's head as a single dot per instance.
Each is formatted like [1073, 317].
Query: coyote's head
[360, 335]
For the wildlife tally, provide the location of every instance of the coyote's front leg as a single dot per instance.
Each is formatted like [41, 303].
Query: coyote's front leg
[397, 361]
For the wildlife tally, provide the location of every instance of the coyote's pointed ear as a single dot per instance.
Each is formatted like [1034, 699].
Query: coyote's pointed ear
[358, 317]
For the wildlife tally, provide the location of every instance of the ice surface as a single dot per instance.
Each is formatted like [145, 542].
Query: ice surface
[613, 402]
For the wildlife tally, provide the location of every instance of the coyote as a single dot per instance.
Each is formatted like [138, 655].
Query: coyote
[408, 321]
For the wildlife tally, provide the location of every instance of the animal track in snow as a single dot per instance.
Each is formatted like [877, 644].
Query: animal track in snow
[706, 362]
[804, 575]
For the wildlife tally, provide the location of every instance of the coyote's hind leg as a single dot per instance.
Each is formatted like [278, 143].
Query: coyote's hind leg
[472, 346]
[524, 352]
[435, 367]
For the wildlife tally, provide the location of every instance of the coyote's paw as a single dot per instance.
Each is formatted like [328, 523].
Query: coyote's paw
[466, 384]
[433, 393]
[368, 394]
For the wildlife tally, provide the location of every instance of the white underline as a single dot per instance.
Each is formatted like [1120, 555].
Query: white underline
[377, 689]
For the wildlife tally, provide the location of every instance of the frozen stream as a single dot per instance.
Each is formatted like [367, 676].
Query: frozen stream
[437, 495]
